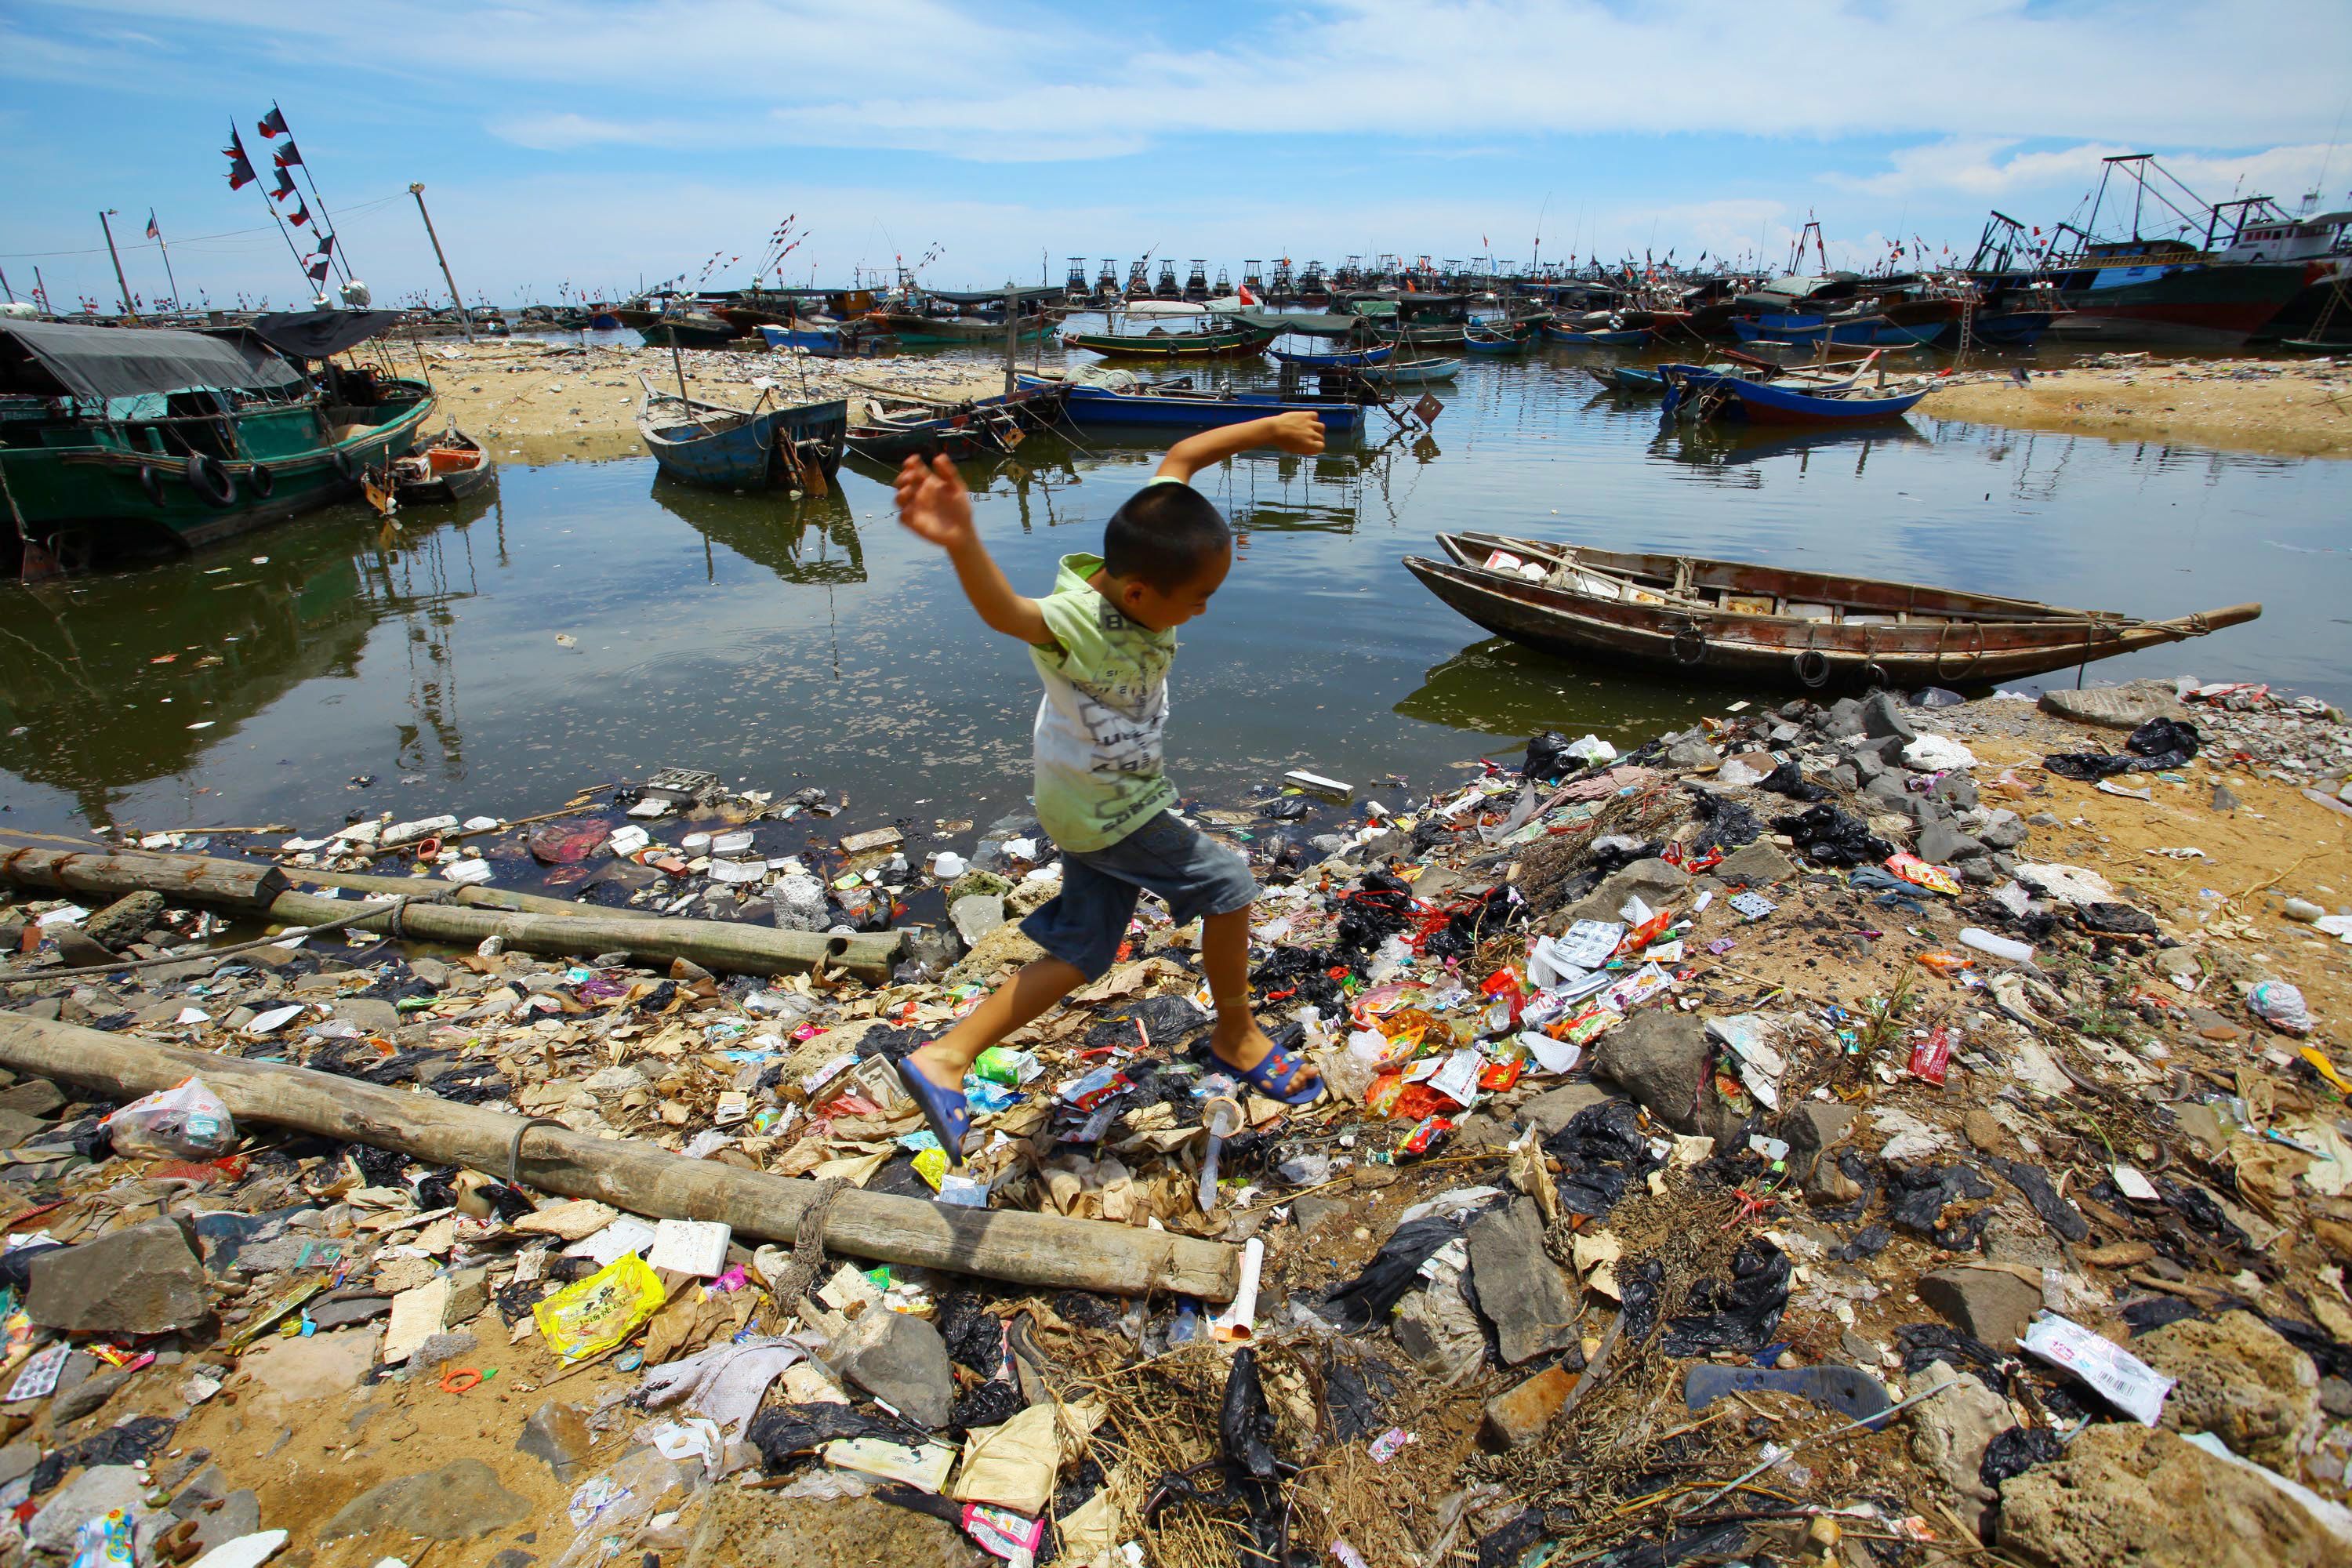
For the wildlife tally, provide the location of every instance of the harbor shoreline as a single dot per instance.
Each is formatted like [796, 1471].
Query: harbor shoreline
[539, 403]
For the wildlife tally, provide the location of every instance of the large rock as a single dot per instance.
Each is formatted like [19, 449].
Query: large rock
[2241, 1380]
[1940, 844]
[1882, 719]
[1004, 948]
[1949, 1433]
[978, 884]
[1555, 1109]
[86, 1396]
[1659, 1056]
[2125, 1493]
[125, 921]
[1520, 1289]
[34, 1097]
[88, 1496]
[1756, 865]
[976, 915]
[557, 1435]
[142, 1280]
[1813, 1126]
[1439, 1332]
[318, 1366]
[2125, 707]
[901, 1361]
[1991, 1303]
[1658, 882]
[461, 1499]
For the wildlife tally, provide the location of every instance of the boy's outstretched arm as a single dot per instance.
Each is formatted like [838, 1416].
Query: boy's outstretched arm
[1298, 431]
[934, 505]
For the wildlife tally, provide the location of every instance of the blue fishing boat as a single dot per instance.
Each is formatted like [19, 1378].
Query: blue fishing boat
[1866, 332]
[830, 343]
[1122, 398]
[1415, 372]
[1615, 338]
[1637, 380]
[1481, 338]
[1720, 394]
[745, 449]
[1347, 359]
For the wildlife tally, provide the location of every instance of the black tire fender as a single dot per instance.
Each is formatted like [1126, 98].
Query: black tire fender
[263, 481]
[209, 479]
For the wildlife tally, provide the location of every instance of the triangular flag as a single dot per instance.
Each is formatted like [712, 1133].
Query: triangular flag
[273, 124]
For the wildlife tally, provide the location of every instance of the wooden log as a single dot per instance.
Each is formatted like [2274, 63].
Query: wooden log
[1013, 1246]
[723, 946]
[235, 885]
[244, 887]
[474, 893]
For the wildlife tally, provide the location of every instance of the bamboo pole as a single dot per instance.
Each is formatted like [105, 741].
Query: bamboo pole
[1011, 1244]
[244, 887]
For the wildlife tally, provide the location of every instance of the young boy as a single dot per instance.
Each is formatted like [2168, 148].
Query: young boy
[1102, 642]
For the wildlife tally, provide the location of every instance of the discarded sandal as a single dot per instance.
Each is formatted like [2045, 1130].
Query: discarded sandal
[1277, 1077]
[946, 1110]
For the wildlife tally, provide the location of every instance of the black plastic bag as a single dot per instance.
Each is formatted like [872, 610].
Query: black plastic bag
[1729, 823]
[1353, 1393]
[2164, 743]
[1602, 1154]
[2087, 767]
[1924, 1342]
[974, 1336]
[2016, 1451]
[1867, 1242]
[990, 1404]
[1547, 757]
[2106, 918]
[2056, 1211]
[130, 1442]
[1393, 1270]
[1285, 808]
[1741, 1314]
[1828, 837]
[1917, 1196]
[1786, 780]
[782, 1432]
[1246, 1421]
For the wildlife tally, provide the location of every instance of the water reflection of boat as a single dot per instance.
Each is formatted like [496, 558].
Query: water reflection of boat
[237, 643]
[812, 540]
[1716, 445]
[1499, 688]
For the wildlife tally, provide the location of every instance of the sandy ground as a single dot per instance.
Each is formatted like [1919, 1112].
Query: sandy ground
[537, 402]
[2287, 408]
[533, 402]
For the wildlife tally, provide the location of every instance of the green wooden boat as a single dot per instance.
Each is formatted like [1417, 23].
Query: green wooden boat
[1241, 343]
[121, 441]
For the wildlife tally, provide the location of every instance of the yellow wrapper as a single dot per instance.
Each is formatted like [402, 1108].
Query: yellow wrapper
[598, 1313]
[931, 1165]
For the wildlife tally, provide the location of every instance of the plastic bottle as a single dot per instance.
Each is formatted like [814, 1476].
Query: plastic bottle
[1999, 946]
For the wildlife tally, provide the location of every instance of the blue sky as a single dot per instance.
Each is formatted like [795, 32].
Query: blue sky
[569, 141]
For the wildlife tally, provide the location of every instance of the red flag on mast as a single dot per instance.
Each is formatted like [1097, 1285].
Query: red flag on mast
[288, 155]
[273, 124]
[285, 186]
[240, 167]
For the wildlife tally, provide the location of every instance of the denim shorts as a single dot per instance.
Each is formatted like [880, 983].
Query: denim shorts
[1084, 924]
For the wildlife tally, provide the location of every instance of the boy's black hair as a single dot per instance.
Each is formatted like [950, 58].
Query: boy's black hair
[1162, 534]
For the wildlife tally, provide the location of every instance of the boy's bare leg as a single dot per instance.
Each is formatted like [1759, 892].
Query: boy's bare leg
[1225, 958]
[1025, 997]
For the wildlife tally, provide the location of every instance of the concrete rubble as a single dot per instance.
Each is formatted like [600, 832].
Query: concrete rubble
[1985, 1126]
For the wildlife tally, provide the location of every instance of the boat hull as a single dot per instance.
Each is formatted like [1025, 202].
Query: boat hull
[1101, 406]
[1953, 638]
[745, 456]
[1171, 346]
[97, 500]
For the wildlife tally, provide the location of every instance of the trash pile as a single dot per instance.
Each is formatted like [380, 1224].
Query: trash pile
[1842, 1133]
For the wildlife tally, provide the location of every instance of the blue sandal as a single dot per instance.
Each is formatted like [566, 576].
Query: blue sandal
[946, 1110]
[1277, 1077]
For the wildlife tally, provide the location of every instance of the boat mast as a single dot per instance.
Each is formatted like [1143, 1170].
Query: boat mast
[120, 281]
[465, 317]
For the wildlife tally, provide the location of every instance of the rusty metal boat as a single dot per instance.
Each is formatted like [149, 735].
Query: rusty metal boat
[1734, 620]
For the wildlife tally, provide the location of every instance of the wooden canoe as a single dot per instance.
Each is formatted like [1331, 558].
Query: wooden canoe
[1246, 342]
[450, 466]
[1733, 620]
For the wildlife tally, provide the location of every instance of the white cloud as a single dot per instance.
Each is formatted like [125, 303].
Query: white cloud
[992, 78]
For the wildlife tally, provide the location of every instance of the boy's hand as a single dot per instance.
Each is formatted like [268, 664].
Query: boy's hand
[934, 505]
[1299, 431]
